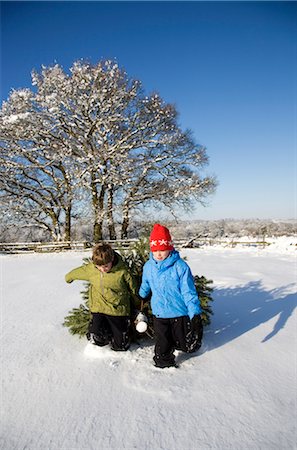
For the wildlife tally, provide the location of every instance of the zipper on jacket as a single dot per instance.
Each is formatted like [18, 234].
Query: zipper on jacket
[101, 284]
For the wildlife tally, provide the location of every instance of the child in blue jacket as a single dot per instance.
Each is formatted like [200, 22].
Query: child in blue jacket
[174, 302]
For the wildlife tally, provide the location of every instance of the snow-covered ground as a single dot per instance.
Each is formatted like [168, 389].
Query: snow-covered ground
[238, 392]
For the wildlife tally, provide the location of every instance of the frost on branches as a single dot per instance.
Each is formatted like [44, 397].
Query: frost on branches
[91, 142]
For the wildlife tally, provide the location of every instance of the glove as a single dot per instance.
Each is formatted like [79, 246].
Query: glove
[196, 323]
[194, 335]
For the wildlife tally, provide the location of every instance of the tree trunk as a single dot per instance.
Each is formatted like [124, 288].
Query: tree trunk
[67, 232]
[125, 225]
[110, 221]
[97, 232]
[98, 207]
[55, 228]
[68, 205]
[126, 221]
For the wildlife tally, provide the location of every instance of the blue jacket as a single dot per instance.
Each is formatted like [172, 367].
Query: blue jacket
[172, 286]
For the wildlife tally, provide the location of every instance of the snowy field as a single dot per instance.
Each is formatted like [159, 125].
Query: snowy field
[238, 392]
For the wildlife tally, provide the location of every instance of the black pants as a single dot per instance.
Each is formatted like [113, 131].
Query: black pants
[114, 329]
[174, 334]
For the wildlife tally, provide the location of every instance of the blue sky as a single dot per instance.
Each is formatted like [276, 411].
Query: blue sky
[229, 67]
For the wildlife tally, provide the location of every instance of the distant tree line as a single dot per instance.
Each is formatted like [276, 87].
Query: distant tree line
[90, 145]
[233, 228]
[82, 230]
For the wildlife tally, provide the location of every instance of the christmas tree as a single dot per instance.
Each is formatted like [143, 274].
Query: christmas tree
[78, 318]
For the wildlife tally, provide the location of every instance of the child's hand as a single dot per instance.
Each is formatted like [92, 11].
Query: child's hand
[196, 323]
[194, 335]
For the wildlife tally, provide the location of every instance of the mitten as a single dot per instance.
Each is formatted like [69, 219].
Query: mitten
[196, 323]
[194, 336]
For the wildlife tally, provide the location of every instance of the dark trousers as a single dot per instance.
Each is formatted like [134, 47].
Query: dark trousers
[174, 334]
[114, 329]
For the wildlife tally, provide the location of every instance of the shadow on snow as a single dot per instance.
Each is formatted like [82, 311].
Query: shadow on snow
[241, 309]
[238, 310]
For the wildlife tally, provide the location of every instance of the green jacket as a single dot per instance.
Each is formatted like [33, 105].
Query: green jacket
[110, 293]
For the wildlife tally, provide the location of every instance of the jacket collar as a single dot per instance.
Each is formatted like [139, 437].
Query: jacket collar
[169, 261]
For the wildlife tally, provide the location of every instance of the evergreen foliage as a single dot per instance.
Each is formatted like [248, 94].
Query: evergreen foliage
[136, 257]
[204, 290]
[78, 319]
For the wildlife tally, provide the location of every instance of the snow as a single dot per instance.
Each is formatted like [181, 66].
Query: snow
[15, 117]
[237, 392]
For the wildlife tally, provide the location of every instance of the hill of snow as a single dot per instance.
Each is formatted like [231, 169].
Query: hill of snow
[237, 392]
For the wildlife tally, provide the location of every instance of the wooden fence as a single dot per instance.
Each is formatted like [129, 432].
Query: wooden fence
[46, 247]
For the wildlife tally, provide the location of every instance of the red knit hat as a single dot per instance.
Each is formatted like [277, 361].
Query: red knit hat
[160, 239]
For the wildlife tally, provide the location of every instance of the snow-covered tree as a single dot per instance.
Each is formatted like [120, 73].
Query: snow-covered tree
[94, 131]
[35, 184]
[166, 173]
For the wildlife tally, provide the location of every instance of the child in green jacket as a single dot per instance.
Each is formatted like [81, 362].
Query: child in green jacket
[112, 289]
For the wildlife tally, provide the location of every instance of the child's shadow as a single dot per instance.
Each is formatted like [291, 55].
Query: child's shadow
[240, 309]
